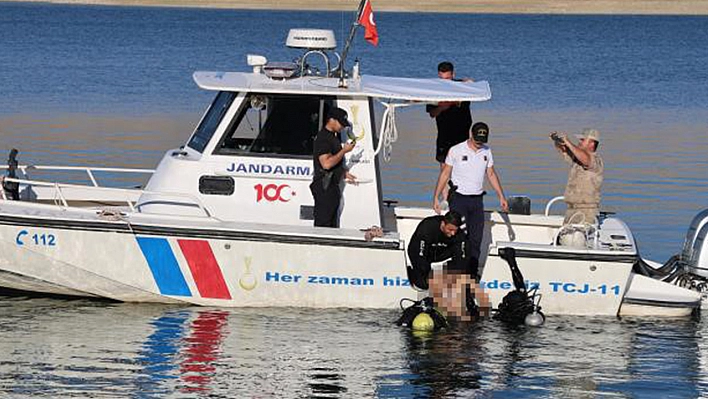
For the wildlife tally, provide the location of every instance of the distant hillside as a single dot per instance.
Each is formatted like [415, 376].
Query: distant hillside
[685, 7]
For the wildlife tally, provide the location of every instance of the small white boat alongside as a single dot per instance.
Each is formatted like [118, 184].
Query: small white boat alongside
[226, 220]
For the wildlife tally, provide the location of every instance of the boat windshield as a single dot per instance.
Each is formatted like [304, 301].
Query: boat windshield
[211, 120]
[275, 124]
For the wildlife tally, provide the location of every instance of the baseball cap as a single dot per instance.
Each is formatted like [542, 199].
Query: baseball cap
[591, 134]
[480, 132]
[340, 115]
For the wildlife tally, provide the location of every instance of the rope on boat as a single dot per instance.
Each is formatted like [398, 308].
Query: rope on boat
[389, 130]
[111, 215]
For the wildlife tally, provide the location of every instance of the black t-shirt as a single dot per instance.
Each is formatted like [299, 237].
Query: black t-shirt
[327, 142]
[453, 124]
[429, 242]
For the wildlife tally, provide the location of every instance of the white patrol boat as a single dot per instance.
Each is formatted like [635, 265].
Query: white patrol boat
[227, 219]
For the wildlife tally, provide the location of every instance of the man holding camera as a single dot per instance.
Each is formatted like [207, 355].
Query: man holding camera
[582, 193]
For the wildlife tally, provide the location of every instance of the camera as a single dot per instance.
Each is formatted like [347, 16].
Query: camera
[557, 138]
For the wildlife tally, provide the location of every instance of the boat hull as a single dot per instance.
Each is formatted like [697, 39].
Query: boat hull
[154, 258]
[161, 264]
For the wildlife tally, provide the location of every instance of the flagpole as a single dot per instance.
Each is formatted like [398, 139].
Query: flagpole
[348, 43]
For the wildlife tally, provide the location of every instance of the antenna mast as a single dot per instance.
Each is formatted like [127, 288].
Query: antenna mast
[348, 43]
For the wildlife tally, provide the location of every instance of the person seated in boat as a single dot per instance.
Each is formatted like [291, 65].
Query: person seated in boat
[582, 192]
[436, 239]
[329, 169]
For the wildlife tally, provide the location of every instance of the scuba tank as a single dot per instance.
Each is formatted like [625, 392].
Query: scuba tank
[421, 316]
[518, 306]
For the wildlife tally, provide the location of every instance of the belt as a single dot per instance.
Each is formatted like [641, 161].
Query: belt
[471, 195]
[582, 206]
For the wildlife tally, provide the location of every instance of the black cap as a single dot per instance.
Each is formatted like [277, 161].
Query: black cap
[340, 115]
[480, 132]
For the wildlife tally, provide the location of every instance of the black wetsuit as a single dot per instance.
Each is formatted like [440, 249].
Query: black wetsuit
[325, 183]
[429, 244]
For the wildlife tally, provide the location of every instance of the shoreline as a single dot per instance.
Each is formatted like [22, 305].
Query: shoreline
[600, 7]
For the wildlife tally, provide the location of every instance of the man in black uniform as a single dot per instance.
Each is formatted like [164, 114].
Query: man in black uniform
[328, 159]
[452, 118]
[435, 239]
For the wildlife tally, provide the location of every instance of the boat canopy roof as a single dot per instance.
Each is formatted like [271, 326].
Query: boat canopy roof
[381, 87]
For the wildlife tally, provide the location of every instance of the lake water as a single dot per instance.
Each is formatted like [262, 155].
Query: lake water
[112, 86]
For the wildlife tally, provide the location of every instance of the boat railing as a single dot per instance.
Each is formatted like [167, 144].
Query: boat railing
[59, 187]
[90, 171]
[551, 202]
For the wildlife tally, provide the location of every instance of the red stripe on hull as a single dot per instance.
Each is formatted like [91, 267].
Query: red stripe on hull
[205, 270]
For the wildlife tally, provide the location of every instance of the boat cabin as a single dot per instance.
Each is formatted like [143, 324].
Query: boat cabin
[250, 157]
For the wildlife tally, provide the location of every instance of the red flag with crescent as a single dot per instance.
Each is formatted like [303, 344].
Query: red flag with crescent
[367, 21]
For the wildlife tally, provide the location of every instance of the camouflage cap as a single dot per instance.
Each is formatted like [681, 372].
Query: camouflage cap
[591, 134]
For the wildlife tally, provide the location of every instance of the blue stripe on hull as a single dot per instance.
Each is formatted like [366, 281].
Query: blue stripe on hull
[164, 266]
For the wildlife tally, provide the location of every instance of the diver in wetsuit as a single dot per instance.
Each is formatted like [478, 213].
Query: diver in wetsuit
[436, 239]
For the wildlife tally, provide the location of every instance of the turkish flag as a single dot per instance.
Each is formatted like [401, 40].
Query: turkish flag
[367, 21]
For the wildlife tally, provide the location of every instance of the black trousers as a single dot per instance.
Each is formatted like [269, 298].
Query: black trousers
[326, 204]
[419, 270]
[471, 207]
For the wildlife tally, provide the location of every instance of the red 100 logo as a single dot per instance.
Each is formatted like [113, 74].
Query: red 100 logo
[273, 192]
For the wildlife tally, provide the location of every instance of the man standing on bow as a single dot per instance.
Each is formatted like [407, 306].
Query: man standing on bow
[582, 193]
[466, 166]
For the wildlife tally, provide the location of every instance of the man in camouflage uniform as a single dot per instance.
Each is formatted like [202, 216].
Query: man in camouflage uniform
[582, 193]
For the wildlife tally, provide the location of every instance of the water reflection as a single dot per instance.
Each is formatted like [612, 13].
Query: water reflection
[159, 353]
[589, 357]
[184, 349]
[664, 355]
[326, 382]
[202, 350]
[54, 348]
[447, 364]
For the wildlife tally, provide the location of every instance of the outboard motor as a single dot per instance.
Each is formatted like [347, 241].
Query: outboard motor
[694, 252]
[12, 189]
[689, 268]
[694, 256]
[518, 306]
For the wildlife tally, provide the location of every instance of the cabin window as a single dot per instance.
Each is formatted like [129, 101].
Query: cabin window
[216, 185]
[275, 124]
[207, 127]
